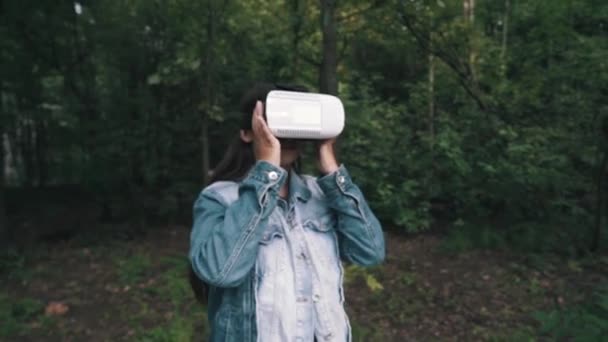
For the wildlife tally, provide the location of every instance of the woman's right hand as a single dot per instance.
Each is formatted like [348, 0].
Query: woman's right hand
[265, 145]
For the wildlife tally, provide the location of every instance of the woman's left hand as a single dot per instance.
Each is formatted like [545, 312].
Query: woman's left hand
[326, 156]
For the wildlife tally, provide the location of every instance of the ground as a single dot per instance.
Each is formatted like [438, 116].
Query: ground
[114, 289]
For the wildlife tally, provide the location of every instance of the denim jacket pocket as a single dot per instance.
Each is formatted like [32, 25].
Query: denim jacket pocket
[322, 233]
[271, 249]
[273, 231]
[323, 223]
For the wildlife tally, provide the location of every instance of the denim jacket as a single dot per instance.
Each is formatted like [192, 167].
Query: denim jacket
[233, 220]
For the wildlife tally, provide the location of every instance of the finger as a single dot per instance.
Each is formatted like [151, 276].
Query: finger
[266, 132]
[263, 128]
[259, 107]
[256, 119]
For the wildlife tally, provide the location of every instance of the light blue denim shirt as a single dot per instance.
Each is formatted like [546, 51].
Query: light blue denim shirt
[267, 268]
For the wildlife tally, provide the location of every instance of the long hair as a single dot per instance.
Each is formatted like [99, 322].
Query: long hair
[239, 158]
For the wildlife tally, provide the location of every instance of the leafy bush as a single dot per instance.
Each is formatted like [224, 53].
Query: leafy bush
[565, 237]
[585, 322]
[15, 315]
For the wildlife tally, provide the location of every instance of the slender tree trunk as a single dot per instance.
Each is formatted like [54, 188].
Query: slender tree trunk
[26, 149]
[208, 91]
[601, 202]
[328, 80]
[469, 17]
[4, 236]
[505, 35]
[431, 92]
[205, 148]
[41, 151]
[296, 28]
[469, 10]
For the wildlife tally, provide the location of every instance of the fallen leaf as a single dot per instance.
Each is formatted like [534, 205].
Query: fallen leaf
[56, 309]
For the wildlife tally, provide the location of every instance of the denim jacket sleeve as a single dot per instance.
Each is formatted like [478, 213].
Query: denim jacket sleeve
[360, 234]
[225, 236]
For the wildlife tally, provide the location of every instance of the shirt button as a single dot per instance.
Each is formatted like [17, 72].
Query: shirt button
[273, 175]
[341, 179]
[316, 297]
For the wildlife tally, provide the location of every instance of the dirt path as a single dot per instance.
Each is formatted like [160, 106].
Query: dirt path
[136, 290]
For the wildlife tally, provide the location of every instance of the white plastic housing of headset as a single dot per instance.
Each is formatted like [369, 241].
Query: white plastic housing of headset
[299, 115]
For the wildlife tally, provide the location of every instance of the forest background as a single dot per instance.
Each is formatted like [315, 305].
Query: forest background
[477, 129]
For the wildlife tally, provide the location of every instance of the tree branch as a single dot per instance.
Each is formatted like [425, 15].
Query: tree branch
[463, 73]
[355, 13]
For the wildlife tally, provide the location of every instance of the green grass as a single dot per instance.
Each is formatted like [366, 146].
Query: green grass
[558, 237]
[16, 315]
[175, 279]
[364, 333]
[188, 318]
[132, 269]
[179, 329]
[12, 265]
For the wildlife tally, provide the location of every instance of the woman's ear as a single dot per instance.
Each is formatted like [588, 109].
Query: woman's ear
[246, 135]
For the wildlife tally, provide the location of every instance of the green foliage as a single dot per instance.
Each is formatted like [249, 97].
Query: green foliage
[376, 131]
[563, 237]
[584, 322]
[132, 269]
[188, 315]
[447, 118]
[362, 333]
[176, 282]
[12, 264]
[15, 315]
[524, 334]
[178, 330]
[352, 272]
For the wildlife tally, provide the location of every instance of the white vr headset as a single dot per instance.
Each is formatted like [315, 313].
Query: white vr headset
[298, 115]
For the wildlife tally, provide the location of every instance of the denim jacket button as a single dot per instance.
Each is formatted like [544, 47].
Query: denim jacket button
[273, 175]
[341, 179]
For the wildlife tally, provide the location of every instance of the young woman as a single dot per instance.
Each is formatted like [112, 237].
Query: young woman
[268, 242]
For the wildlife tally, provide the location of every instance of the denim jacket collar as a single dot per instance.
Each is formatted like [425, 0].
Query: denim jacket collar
[297, 187]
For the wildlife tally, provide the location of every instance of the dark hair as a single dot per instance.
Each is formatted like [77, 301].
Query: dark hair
[239, 158]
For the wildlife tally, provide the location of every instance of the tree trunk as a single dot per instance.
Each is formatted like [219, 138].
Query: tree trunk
[296, 28]
[431, 92]
[505, 34]
[601, 202]
[469, 17]
[208, 91]
[4, 236]
[328, 81]
[469, 10]
[205, 148]
[41, 144]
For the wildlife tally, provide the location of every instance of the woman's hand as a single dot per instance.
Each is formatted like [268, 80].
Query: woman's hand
[326, 156]
[265, 145]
